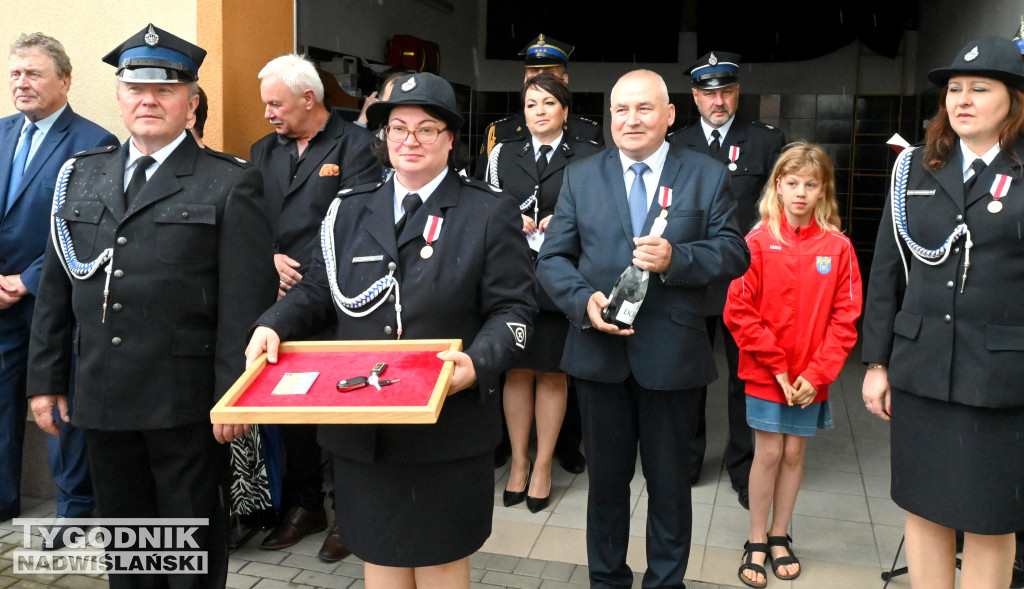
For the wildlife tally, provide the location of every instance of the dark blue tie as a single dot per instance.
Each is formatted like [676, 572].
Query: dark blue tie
[638, 198]
[18, 167]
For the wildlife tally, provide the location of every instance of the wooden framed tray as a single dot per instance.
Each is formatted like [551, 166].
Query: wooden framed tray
[417, 398]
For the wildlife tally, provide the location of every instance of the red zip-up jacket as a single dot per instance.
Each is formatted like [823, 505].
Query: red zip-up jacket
[795, 309]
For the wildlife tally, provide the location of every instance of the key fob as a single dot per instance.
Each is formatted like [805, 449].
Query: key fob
[351, 384]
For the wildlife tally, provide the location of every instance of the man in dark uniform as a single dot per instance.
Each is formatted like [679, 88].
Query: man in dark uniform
[159, 284]
[749, 151]
[545, 54]
[312, 153]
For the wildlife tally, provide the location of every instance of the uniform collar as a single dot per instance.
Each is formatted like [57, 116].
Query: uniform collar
[554, 145]
[970, 156]
[723, 130]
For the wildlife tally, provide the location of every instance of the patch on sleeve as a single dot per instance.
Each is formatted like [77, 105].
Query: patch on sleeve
[518, 332]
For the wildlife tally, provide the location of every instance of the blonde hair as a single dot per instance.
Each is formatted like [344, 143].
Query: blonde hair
[803, 159]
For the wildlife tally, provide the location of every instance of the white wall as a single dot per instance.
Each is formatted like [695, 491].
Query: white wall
[89, 30]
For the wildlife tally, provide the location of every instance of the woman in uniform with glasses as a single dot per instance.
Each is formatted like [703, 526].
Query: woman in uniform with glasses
[414, 501]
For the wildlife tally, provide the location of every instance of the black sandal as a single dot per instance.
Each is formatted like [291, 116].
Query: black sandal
[749, 548]
[782, 561]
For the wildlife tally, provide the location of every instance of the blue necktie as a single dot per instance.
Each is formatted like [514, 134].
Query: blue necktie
[18, 167]
[638, 198]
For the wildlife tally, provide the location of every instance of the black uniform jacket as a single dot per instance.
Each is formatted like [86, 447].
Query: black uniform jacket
[513, 128]
[517, 171]
[338, 157]
[192, 269]
[760, 145]
[475, 286]
[940, 343]
[589, 243]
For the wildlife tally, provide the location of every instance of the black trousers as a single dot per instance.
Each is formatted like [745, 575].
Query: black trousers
[739, 452]
[571, 433]
[303, 480]
[168, 473]
[617, 418]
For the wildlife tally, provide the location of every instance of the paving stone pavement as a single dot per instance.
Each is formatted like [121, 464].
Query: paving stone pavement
[252, 568]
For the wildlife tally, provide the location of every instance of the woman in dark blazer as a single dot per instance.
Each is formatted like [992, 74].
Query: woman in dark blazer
[944, 324]
[530, 170]
[414, 501]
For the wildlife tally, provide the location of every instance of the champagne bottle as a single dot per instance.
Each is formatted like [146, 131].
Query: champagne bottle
[631, 288]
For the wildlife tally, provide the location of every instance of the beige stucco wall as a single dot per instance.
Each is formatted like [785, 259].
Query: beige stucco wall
[89, 29]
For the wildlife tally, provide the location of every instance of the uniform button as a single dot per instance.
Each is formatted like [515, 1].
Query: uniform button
[117, 307]
[118, 273]
[392, 265]
[387, 329]
[122, 241]
[184, 215]
[959, 217]
[391, 299]
[949, 285]
[78, 213]
[116, 341]
[947, 318]
[956, 250]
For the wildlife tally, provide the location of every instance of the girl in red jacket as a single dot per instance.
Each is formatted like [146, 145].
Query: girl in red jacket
[793, 315]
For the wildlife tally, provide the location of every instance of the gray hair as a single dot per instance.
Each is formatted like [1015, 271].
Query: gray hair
[52, 47]
[296, 72]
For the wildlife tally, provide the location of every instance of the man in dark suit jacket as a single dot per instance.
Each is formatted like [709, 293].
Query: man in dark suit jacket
[159, 285]
[310, 155]
[640, 385]
[749, 151]
[40, 78]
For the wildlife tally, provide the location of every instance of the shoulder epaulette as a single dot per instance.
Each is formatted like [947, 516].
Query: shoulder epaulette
[228, 157]
[361, 189]
[480, 184]
[95, 150]
[585, 120]
[766, 126]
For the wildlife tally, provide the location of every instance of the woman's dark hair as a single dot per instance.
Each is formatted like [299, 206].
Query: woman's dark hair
[550, 83]
[458, 157]
[940, 138]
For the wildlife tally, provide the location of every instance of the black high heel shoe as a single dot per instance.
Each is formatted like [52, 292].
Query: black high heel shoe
[510, 498]
[535, 504]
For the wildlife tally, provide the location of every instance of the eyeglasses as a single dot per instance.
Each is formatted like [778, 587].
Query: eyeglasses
[426, 135]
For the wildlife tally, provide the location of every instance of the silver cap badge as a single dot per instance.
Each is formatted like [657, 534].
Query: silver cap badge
[972, 54]
[151, 37]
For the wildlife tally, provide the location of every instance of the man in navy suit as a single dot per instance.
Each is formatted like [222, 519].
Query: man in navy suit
[33, 146]
[640, 386]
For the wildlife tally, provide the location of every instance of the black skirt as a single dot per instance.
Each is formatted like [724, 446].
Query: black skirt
[414, 515]
[544, 349]
[958, 466]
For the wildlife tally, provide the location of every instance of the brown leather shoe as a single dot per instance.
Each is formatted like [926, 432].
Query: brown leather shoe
[332, 549]
[298, 523]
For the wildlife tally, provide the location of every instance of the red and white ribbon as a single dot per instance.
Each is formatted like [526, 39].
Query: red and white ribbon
[432, 230]
[734, 153]
[1000, 186]
[665, 197]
